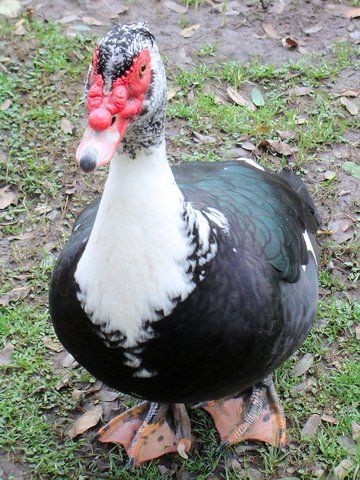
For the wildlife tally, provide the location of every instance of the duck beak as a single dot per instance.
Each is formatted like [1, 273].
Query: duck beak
[97, 148]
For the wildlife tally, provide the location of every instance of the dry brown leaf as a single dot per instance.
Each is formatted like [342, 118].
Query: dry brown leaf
[14, 295]
[77, 394]
[355, 430]
[342, 229]
[278, 7]
[92, 21]
[314, 29]
[300, 120]
[349, 105]
[271, 31]
[189, 31]
[86, 421]
[329, 419]
[329, 175]
[302, 366]
[239, 99]
[348, 92]
[289, 42]
[311, 427]
[120, 11]
[51, 345]
[175, 7]
[286, 134]
[69, 361]
[5, 354]
[299, 91]
[344, 10]
[342, 470]
[66, 126]
[204, 138]
[248, 146]
[278, 147]
[302, 50]
[64, 380]
[20, 30]
[7, 198]
[108, 395]
[6, 104]
[172, 91]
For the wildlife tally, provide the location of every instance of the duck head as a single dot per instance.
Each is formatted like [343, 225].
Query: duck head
[125, 96]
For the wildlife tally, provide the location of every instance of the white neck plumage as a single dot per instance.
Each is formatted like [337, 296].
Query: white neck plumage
[137, 259]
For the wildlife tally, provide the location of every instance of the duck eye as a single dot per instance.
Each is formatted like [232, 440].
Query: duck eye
[142, 70]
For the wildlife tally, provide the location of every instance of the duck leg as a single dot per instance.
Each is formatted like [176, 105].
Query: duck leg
[256, 414]
[149, 430]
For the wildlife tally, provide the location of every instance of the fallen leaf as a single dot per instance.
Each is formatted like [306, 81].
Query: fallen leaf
[64, 380]
[278, 7]
[349, 105]
[3, 157]
[5, 354]
[69, 361]
[108, 395]
[14, 295]
[6, 104]
[120, 11]
[7, 198]
[342, 229]
[300, 120]
[20, 30]
[67, 126]
[299, 91]
[314, 29]
[302, 50]
[86, 421]
[10, 8]
[271, 31]
[351, 168]
[311, 427]
[329, 175]
[77, 394]
[204, 138]
[189, 31]
[341, 471]
[175, 7]
[348, 92]
[289, 42]
[254, 474]
[239, 99]
[257, 98]
[278, 147]
[68, 19]
[92, 21]
[286, 134]
[303, 365]
[172, 91]
[344, 11]
[51, 345]
[347, 444]
[329, 419]
[355, 430]
[248, 146]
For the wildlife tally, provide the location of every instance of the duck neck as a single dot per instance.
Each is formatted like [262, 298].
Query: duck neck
[142, 252]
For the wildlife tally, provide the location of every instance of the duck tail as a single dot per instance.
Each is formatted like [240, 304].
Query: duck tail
[299, 186]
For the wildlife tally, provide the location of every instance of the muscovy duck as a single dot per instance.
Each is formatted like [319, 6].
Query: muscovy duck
[183, 285]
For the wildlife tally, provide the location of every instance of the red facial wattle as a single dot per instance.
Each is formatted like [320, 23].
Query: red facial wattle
[110, 112]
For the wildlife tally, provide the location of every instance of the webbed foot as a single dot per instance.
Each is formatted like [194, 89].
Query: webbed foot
[254, 415]
[150, 430]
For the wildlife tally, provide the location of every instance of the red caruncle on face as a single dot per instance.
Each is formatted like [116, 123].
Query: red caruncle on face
[125, 97]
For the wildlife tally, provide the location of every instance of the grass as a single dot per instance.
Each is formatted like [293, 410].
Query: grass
[44, 87]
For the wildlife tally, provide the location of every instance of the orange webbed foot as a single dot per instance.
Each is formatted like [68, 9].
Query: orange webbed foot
[149, 431]
[255, 415]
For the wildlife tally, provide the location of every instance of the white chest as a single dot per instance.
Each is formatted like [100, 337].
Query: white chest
[136, 259]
